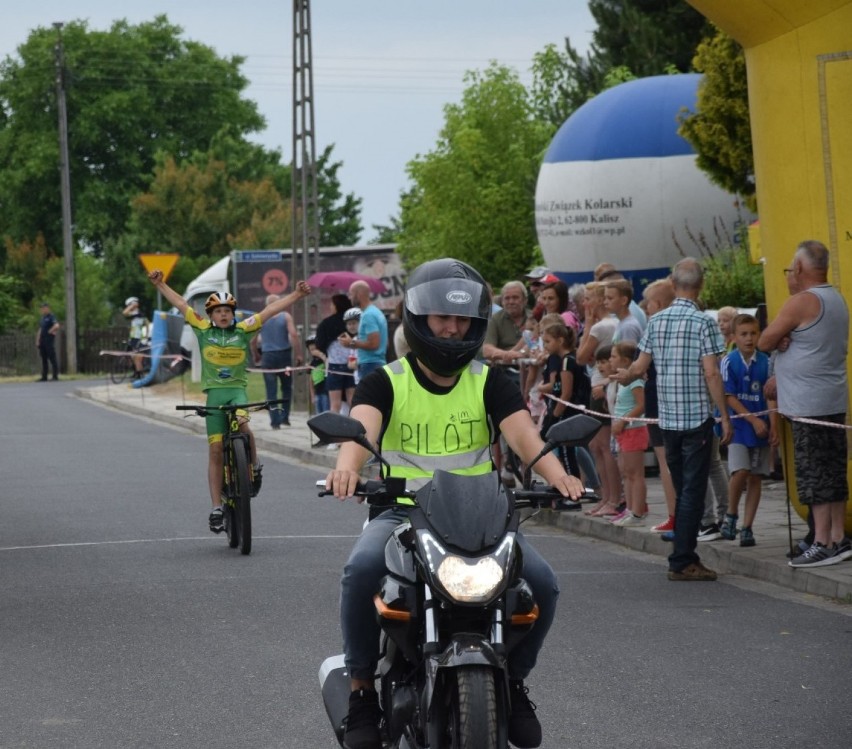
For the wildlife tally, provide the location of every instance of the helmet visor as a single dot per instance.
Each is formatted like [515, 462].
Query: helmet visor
[449, 296]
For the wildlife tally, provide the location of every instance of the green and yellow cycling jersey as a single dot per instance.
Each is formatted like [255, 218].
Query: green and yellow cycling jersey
[225, 352]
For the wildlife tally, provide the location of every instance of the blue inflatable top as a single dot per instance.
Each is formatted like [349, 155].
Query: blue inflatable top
[632, 120]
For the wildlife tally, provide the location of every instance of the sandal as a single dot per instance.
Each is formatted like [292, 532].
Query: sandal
[605, 511]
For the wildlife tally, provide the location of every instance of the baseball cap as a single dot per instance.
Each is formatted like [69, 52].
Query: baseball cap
[538, 273]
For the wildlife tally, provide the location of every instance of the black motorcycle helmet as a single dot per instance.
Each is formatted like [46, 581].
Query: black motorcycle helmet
[445, 287]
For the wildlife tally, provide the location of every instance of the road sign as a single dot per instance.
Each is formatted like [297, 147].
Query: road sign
[164, 262]
[257, 256]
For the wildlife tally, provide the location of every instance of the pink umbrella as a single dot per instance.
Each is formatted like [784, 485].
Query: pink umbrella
[341, 280]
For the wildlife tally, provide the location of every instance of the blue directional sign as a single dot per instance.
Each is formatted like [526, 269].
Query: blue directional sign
[257, 256]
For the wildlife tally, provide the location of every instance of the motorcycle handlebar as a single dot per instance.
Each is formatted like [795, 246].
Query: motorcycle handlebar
[387, 491]
[543, 496]
[377, 491]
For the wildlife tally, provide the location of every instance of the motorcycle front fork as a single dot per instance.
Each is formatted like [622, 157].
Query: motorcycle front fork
[431, 619]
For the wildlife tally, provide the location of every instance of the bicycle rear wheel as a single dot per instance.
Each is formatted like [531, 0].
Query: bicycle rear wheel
[121, 367]
[242, 495]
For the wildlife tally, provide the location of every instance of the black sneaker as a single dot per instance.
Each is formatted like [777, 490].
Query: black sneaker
[524, 728]
[800, 548]
[709, 532]
[256, 479]
[362, 722]
[217, 521]
[843, 550]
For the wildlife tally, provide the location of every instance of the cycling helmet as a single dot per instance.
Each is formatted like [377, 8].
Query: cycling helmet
[353, 313]
[131, 300]
[445, 287]
[220, 299]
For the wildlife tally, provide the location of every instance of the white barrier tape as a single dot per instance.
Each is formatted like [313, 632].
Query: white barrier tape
[139, 353]
[817, 422]
[283, 370]
[802, 419]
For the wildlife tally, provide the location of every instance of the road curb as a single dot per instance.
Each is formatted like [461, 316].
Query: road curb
[722, 556]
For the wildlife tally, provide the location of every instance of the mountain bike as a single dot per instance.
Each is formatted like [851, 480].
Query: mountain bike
[237, 490]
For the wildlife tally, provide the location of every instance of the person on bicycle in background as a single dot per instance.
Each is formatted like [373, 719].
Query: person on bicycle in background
[225, 354]
[438, 384]
[140, 333]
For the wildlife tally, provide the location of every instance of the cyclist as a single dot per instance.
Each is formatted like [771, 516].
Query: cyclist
[140, 331]
[225, 354]
[438, 385]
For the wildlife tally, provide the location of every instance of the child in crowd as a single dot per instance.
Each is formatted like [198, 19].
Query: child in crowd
[631, 436]
[532, 343]
[657, 296]
[600, 445]
[319, 394]
[352, 320]
[618, 295]
[569, 381]
[725, 317]
[744, 373]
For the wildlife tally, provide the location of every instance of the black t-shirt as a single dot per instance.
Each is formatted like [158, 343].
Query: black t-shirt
[581, 387]
[502, 396]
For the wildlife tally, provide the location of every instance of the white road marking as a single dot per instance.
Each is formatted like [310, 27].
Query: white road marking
[80, 544]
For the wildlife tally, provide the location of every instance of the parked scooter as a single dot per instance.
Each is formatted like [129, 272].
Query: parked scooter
[452, 606]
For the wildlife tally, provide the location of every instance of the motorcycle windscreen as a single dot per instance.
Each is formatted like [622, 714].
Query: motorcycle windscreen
[470, 513]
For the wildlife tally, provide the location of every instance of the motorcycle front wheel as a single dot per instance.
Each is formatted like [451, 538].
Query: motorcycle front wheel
[472, 710]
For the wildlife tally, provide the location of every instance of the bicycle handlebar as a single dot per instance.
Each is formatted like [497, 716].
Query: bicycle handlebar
[203, 410]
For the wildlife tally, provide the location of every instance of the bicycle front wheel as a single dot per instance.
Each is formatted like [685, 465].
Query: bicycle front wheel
[242, 495]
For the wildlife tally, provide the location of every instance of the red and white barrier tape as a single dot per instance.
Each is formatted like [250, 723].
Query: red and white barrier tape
[802, 419]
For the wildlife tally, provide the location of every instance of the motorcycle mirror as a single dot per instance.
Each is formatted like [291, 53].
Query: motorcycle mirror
[573, 431]
[332, 427]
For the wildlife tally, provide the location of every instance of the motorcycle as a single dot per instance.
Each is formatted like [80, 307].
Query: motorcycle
[453, 604]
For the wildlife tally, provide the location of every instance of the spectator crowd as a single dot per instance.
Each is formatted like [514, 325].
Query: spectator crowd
[702, 393]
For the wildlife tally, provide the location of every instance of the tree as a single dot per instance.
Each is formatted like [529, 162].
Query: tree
[719, 129]
[233, 196]
[633, 38]
[472, 197]
[730, 278]
[339, 214]
[131, 91]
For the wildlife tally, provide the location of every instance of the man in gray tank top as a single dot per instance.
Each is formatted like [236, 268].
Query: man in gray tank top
[810, 334]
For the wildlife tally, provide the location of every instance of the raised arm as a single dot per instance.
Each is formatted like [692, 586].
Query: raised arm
[175, 299]
[302, 290]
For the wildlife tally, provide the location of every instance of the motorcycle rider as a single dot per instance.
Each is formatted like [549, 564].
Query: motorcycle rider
[438, 388]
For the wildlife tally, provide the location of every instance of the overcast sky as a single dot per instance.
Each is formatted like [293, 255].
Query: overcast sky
[383, 69]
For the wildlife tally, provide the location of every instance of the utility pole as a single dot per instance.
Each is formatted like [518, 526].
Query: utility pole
[65, 184]
[305, 219]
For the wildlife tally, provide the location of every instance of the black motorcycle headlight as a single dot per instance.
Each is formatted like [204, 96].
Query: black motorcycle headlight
[468, 579]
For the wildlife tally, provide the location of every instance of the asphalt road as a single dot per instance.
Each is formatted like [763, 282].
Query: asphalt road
[125, 623]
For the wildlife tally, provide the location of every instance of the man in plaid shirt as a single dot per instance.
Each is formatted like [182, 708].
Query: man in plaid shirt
[685, 345]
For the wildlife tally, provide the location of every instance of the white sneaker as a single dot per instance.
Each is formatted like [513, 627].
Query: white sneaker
[630, 520]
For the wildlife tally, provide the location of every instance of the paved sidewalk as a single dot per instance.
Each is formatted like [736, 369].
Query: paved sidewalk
[766, 561]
